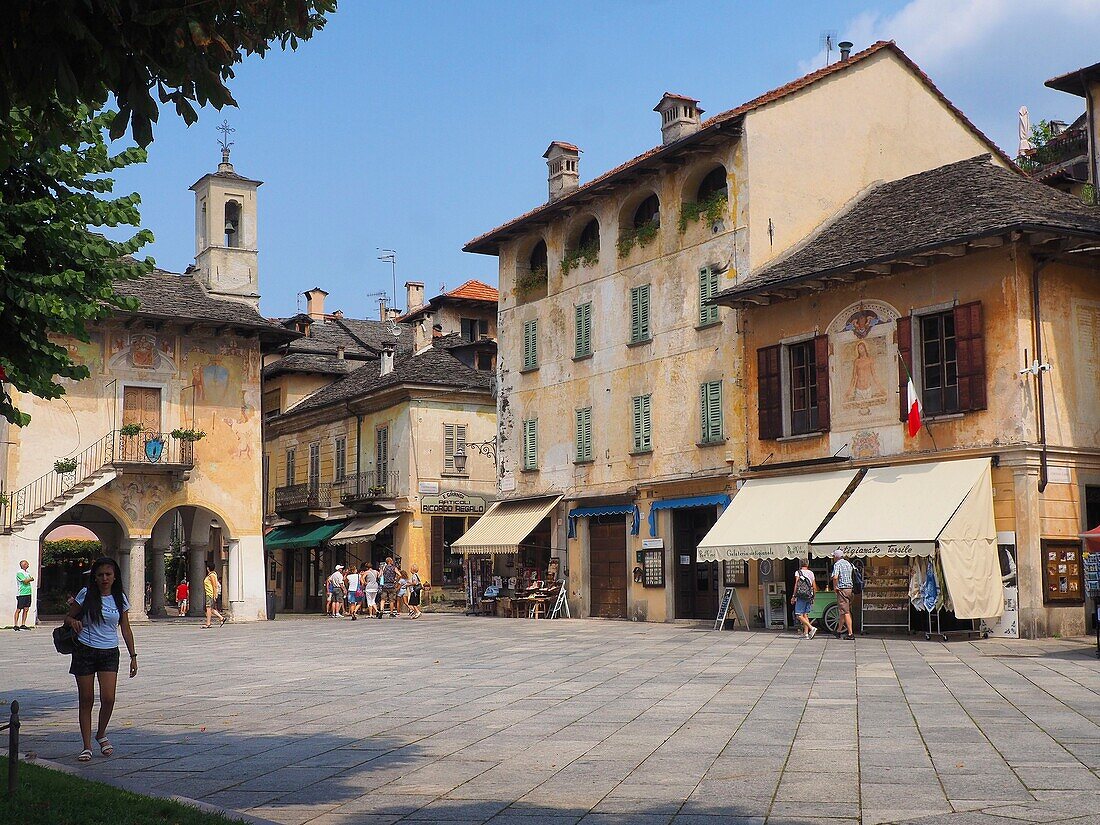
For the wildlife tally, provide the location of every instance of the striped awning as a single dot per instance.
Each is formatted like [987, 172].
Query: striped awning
[504, 526]
[363, 529]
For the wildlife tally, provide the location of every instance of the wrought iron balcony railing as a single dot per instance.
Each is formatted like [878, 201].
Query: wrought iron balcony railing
[303, 497]
[148, 447]
[367, 485]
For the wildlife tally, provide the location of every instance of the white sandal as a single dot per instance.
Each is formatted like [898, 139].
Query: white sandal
[105, 746]
[85, 756]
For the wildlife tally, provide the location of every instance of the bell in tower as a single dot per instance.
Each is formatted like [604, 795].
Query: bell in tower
[226, 249]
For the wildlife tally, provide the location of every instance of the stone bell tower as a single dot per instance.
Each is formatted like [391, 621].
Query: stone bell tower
[226, 249]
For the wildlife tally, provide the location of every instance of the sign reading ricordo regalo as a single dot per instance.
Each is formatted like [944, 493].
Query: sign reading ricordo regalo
[452, 502]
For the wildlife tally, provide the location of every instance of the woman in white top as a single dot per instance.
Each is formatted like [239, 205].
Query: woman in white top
[368, 576]
[355, 594]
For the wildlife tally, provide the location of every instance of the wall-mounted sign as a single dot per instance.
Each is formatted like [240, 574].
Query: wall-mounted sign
[1058, 475]
[653, 544]
[452, 502]
[427, 487]
[507, 483]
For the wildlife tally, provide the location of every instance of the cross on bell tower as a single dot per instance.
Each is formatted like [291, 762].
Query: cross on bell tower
[226, 250]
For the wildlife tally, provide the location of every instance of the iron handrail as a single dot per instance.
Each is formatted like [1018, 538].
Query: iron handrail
[31, 498]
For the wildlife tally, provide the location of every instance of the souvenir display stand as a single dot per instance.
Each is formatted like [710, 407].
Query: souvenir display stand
[885, 599]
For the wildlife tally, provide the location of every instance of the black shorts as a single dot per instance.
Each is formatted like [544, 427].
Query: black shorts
[90, 660]
[23, 602]
[414, 598]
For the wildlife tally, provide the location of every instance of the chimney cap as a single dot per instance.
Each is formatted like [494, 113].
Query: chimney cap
[315, 289]
[561, 145]
[672, 96]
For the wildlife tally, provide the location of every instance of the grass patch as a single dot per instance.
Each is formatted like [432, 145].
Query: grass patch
[47, 797]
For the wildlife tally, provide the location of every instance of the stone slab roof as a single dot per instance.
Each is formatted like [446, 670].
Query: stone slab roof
[958, 202]
[311, 363]
[360, 338]
[487, 242]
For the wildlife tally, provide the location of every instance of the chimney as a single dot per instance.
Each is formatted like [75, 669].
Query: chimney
[315, 303]
[414, 295]
[437, 331]
[340, 353]
[422, 332]
[679, 116]
[392, 313]
[563, 163]
[845, 47]
[386, 366]
[382, 309]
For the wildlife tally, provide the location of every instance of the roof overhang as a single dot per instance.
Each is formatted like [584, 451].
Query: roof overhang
[1074, 82]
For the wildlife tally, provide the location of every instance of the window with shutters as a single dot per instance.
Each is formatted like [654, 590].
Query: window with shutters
[939, 373]
[341, 458]
[381, 455]
[944, 351]
[583, 436]
[531, 344]
[454, 441]
[792, 386]
[583, 325]
[710, 412]
[291, 454]
[802, 390]
[531, 444]
[314, 465]
[708, 288]
[639, 314]
[642, 424]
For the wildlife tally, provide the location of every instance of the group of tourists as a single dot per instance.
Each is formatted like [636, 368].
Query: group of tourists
[805, 591]
[375, 591]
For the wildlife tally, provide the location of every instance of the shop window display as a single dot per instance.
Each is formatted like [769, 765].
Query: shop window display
[1062, 573]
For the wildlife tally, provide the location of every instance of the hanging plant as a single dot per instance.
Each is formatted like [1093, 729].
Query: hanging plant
[711, 210]
[188, 435]
[130, 429]
[640, 235]
[64, 465]
[587, 255]
[4, 500]
[530, 280]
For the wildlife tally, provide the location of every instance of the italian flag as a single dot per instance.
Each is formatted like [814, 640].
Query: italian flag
[914, 408]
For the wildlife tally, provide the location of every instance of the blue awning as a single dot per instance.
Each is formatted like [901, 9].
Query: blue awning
[720, 500]
[612, 510]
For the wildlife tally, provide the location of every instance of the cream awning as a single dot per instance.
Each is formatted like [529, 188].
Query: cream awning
[364, 528]
[774, 518]
[909, 510]
[505, 525]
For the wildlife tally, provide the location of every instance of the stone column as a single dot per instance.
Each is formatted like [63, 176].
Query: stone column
[231, 589]
[157, 608]
[123, 557]
[197, 567]
[135, 580]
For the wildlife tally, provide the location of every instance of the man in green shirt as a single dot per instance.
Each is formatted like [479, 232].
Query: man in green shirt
[23, 581]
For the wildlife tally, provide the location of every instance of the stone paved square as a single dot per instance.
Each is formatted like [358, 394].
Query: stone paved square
[455, 719]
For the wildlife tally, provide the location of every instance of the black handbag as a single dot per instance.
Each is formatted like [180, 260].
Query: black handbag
[64, 640]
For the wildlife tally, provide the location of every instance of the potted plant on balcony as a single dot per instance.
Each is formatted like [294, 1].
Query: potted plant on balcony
[64, 465]
[188, 434]
[130, 429]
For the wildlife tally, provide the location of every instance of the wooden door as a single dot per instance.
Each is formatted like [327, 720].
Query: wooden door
[141, 405]
[697, 583]
[438, 523]
[607, 566]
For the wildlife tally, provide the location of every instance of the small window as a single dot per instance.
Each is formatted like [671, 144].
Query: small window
[710, 411]
[708, 288]
[583, 327]
[341, 459]
[653, 568]
[643, 433]
[648, 211]
[531, 344]
[939, 363]
[583, 435]
[531, 444]
[314, 465]
[803, 391]
[474, 329]
[290, 469]
[454, 441]
[639, 314]
[485, 361]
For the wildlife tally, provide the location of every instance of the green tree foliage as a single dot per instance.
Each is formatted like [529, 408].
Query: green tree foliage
[57, 276]
[70, 551]
[60, 54]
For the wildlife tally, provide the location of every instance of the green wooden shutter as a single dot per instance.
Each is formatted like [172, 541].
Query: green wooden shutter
[639, 313]
[710, 410]
[643, 439]
[583, 319]
[583, 435]
[708, 288]
[530, 444]
[530, 344]
[578, 345]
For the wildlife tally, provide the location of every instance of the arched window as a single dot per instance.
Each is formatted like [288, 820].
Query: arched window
[232, 223]
[713, 184]
[537, 261]
[648, 211]
[590, 236]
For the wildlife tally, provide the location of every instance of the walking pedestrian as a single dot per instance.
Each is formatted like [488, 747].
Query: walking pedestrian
[182, 592]
[402, 591]
[805, 589]
[23, 581]
[336, 592]
[99, 611]
[369, 578]
[211, 589]
[355, 592]
[389, 576]
[416, 588]
[842, 583]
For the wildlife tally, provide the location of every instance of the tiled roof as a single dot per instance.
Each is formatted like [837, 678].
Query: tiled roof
[435, 366]
[170, 297]
[484, 243]
[308, 362]
[954, 203]
[472, 290]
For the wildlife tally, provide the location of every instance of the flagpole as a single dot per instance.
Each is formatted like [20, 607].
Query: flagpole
[909, 375]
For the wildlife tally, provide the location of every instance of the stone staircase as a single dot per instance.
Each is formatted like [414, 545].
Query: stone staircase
[79, 491]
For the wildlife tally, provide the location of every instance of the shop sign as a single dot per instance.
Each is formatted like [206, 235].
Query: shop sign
[653, 544]
[452, 502]
[884, 548]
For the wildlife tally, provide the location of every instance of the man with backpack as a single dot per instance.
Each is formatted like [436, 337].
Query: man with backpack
[843, 580]
[805, 588]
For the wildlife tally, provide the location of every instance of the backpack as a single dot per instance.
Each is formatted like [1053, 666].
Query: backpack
[857, 580]
[803, 589]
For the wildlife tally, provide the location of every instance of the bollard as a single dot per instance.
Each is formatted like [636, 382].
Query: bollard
[13, 750]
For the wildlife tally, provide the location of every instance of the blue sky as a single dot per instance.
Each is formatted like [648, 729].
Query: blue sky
[417, 126]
